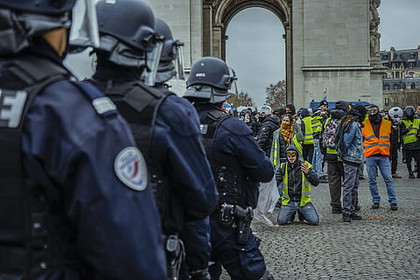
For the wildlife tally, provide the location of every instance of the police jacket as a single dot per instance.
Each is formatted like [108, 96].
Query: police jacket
[82, 214]
[174, 152]
[265, 135]
[237, 162]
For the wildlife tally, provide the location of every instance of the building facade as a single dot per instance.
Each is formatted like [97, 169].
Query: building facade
[401, 82]
[330, 44]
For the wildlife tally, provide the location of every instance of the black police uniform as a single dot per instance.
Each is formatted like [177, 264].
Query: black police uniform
[238, 164]
[77, 206]
[166, 129]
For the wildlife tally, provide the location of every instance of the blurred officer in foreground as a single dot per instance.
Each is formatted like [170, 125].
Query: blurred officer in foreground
[238, 164]
[165, 127]
[195, 234]
[74, 199]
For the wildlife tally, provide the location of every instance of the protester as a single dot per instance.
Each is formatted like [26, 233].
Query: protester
[350, 152]
[376, 133]
[296, 177]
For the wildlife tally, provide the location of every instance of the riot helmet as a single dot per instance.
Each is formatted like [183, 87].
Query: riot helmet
[209, 81]
[396, 114]
[128, 37]
[20, 20]
[409, 112]
[172, 50]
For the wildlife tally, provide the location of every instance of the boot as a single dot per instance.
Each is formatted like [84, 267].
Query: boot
[411, 175]
[395, 175]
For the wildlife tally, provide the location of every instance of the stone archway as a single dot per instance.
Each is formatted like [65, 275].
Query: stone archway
[217, 15]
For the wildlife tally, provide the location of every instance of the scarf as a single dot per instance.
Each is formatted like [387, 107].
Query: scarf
[286, 131]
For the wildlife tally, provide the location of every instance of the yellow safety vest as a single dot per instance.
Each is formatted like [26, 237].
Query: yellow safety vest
[411, 135]
[309, 136]
[316, 124]
[306, 187]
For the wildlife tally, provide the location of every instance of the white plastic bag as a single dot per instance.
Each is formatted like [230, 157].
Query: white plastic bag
[267, 200]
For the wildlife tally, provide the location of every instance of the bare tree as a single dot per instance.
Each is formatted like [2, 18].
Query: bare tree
[242, 99]
[276, 94]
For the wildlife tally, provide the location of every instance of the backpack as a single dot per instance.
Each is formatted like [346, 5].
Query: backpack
[328, 135]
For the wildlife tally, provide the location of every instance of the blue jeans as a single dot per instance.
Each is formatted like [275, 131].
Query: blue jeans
[372, 165]
[308, 211]
[317, 159]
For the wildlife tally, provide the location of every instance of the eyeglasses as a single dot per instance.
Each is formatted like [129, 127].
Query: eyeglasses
[373, 110]
[291, 154]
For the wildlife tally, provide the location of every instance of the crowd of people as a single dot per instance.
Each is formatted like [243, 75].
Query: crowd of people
[117, 177]
[347, 139]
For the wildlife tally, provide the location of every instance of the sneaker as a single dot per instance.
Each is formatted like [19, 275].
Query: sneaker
[346, 218]
[354, 216]
[361, 178]
[395, 175]
[394, 206]
[336, 210]
[357, 208]
[411, 176]
[375, 205]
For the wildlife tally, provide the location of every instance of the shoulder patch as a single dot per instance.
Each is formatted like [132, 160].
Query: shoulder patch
[103, 105]
[130, 168]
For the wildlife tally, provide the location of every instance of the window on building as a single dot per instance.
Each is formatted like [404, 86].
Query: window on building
[395, 100]
[397, 75]
[387, 87]
[413, 85]
[386, 101]
[396, 86]
[403, 86]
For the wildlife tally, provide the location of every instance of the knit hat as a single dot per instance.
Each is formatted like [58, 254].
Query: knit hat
[343, 105]
[358, 110]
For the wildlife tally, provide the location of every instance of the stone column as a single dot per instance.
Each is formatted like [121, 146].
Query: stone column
[207, 28]
[217, 40]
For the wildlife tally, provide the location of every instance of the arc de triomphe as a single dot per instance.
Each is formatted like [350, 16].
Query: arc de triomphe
[331, 44]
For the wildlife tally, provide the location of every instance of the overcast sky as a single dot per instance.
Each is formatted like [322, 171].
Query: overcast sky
[256, 49]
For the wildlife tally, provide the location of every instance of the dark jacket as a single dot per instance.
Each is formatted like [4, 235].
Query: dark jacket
[294, 172]
[265, 135]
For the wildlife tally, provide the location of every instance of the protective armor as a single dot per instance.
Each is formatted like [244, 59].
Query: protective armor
[127, 36]
[234, 187]
[396, 114]
[209, 81]
[17, 243]
[139, 104]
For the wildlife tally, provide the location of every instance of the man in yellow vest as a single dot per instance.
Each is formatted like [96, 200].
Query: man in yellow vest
[410, 131]
[308, 137]
[376, 141]
[296, 177]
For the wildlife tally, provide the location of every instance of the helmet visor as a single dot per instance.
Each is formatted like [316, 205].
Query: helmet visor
[179, 60]
[152, 63]
[84, 31]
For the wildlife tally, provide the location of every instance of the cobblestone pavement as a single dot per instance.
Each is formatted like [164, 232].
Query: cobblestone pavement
[384, 245]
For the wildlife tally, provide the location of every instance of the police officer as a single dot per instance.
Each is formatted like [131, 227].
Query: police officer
[238, 164]
[195, 234]
[165, 127]
[73, 185]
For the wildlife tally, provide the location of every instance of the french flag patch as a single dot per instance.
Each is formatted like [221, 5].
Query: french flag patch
[130, 168]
